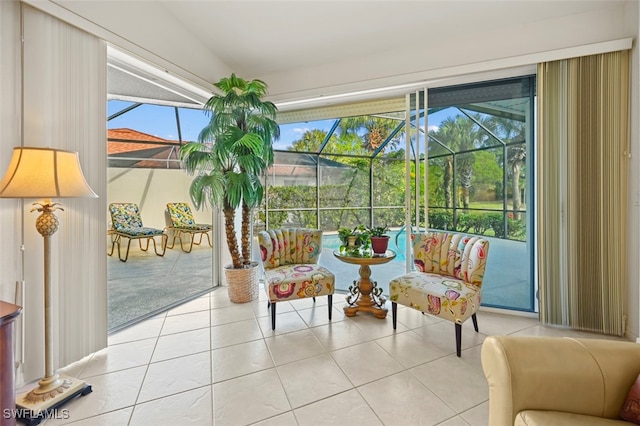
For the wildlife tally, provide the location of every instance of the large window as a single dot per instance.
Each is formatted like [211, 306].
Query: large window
[352, 170]
[336, 169]
[144, 168]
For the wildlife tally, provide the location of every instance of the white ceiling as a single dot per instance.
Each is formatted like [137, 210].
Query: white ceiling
[320, 48]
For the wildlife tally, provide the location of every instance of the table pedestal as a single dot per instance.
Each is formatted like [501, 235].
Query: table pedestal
[365, 296]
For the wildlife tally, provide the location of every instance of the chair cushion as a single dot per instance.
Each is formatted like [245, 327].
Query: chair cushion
[456, 255]
[125, 215]
[298, 281]
[440, 295]
[139, 232]
[194, 228]
[289, 246]
[180, 214]
[546, 418]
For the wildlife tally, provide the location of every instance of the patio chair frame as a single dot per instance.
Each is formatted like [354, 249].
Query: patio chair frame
[134, 232]
[190, 227]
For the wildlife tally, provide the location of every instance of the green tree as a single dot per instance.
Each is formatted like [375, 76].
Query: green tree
[311, 141]
[459, 133]
[233, 150]
[512, 132]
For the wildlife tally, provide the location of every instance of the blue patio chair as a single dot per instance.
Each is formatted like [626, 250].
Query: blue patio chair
[126, 222]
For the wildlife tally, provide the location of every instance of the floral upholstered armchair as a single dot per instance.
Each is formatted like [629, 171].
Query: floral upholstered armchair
[290, 260]
[183, 224]
[447, 281]
[126, 222]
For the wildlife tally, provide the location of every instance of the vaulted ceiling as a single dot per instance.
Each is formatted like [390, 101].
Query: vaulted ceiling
[323, 48]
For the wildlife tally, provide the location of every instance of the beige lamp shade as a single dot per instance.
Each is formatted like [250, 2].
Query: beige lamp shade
[44, 173]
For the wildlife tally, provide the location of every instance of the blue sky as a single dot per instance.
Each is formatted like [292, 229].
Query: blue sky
[160, 121]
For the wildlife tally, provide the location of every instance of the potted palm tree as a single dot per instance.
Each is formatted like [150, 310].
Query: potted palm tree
[231, 155]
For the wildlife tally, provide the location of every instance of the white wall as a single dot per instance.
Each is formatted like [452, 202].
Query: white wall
[58, 111]
[152, 189]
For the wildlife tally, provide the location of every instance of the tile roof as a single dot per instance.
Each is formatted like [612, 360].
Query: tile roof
[134, 144]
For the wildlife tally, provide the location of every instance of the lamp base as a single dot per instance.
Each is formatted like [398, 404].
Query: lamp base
[44, 401]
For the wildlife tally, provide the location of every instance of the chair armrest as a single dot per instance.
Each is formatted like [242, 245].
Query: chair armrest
[581, 376]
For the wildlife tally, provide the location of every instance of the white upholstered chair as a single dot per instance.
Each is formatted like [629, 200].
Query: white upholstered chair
[290, 260]
[447, 281]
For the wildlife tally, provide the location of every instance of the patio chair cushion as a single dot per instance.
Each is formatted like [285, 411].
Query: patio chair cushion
[125, 216]
[182, 217]
[126, 222]
[140, 232]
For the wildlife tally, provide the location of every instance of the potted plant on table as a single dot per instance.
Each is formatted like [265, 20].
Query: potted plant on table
[232, 153]
[379, 239]
[356, 241]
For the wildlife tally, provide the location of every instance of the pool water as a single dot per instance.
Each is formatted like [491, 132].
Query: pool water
[332, 242]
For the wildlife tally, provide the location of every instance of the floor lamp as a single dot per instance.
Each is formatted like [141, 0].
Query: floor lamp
[46, 173]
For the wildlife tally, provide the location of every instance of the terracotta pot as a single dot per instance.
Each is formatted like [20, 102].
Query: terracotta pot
[380, 244]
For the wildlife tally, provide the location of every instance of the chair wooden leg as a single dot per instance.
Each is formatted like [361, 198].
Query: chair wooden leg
[458, 338]
[475, 322]
[273, 316]
[394, 313]
[330, 301]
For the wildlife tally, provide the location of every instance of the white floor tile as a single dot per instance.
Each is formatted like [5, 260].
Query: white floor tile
[234, 333]
[144, 330]
[350, 371]
[293, 346]
[319, 315]
[202, 303]
[238, 360]
[347, 408]
[285, 323]
[402, 400]
[357, 362]
[114, 418]
[374, 327]
[111, 391]
[181, 344]
[286, 419]
[312, 379]
[478, 415]
[410, 349]
[339, 335]
[231, 314]
[185, 322]
[193, 407]
[249, 399]
[120, 357]
[176, 375]
[454, 381]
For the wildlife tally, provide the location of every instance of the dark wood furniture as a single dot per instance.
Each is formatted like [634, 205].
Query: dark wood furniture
[8, 313]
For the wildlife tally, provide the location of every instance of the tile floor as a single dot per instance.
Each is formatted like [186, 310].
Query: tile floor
[211, 361]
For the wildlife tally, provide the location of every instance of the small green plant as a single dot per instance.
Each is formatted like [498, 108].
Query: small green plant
[378, 231]
[356, 241]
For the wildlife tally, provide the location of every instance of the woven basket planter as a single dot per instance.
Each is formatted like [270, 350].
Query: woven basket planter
[242, 284]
